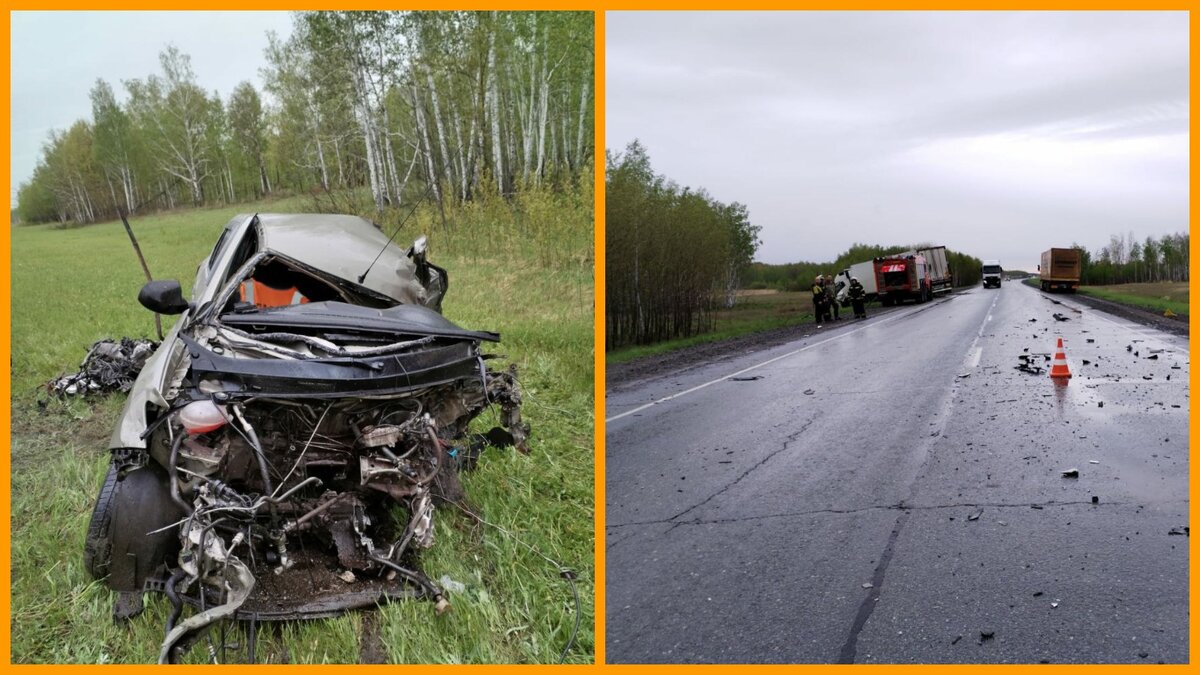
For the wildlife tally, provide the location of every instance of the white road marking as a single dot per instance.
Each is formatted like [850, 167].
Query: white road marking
[974, 356]
[757, 366]
[975, 352]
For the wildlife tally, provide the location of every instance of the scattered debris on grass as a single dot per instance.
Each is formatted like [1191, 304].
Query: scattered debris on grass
[110, 365]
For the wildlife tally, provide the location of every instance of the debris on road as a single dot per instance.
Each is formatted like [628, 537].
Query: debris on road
[746, 378]
[986, 635]
[975, 516]
[1071, 473]
[1060, 317]
[868, 585]
[1181, 531]
[1093, 461]
[809, 392]
[1095, 499]
[1028, 364]
[1054, 605]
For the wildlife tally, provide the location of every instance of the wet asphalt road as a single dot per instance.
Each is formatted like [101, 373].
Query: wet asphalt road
[890, 491]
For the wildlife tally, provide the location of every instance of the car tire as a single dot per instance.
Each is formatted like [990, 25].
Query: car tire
[97, 549]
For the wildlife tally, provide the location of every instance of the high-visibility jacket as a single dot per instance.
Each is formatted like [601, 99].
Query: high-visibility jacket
[262, 295]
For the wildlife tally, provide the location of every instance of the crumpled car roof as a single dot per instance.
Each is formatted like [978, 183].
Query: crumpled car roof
[343, 246]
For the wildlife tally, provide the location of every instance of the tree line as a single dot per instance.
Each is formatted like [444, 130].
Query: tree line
[965, 270]
[400, 105]
[1125, 260]
[672, 254]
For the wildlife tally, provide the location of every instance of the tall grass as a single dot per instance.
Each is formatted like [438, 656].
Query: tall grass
[523, 270]
[1156, 297]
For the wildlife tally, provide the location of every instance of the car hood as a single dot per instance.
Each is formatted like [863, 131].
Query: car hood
[415, 320]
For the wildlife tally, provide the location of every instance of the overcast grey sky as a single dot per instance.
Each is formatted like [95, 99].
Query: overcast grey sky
[996, 134]
[58, 56]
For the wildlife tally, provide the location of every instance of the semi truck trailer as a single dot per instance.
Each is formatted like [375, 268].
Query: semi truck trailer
[1060, 269]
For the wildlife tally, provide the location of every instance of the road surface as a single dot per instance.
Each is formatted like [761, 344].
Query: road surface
[892, 491]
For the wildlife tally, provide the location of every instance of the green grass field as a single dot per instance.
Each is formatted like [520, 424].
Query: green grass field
[531, 280]
[1157, 297]
[754, 312]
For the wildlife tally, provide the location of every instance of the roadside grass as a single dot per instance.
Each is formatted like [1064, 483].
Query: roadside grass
[753, 313]
[1157, 297]
[73, 286]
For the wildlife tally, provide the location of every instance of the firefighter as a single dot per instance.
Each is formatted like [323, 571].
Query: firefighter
[831, 297]
[858, 295]
[820, 300]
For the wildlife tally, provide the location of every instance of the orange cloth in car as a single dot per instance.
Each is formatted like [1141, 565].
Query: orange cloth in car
[263, 295]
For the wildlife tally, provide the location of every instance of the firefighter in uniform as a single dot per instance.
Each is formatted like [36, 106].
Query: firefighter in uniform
[820, 300]
[831, 298]
[858, 295]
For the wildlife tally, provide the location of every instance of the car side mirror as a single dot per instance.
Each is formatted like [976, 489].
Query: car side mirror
[417, 250]
[163, 297]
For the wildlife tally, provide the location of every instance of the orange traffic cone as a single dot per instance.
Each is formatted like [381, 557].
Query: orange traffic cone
[1059, 367]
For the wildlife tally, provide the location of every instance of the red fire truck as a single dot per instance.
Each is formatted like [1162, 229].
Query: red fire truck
[903, 277]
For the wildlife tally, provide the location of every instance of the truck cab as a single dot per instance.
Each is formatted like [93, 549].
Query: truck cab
[992, 273]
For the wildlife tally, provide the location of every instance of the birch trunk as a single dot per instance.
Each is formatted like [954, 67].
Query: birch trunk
[494, 110]
[583, 97]
[462, 152]
[391, 157]
[542, 112]
[447, 165]
[425, 140]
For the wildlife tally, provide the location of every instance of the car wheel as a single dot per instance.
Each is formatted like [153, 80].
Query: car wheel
[97, 549]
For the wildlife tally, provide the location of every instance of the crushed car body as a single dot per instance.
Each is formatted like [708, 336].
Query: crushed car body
[282, 453]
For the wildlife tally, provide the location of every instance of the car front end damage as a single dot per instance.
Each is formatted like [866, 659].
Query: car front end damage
[290, 461]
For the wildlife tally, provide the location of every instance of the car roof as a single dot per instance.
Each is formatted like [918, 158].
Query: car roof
[344, 246]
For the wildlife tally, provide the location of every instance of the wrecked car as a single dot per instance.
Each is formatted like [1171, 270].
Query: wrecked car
[283, 452]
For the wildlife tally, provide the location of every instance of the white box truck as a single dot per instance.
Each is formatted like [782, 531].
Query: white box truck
[864, 272]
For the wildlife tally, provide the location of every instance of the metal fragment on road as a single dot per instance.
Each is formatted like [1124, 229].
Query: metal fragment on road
[1181, 531]
[868, 585]
[975, 516]
[1070, 473]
